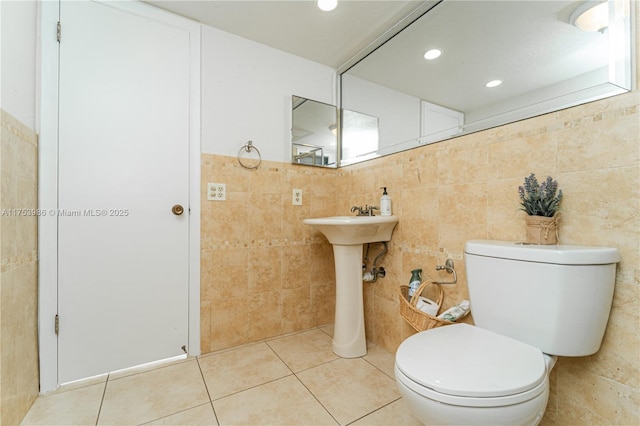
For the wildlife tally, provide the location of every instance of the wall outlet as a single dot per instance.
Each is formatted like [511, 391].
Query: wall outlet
[296, 197]
[216, 191]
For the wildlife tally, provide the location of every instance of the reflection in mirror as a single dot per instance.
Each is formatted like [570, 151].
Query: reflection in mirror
[542, 59]
[314, 133]
[359, 137]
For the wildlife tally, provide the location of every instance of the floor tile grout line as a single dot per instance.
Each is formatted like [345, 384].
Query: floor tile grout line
[318, 365]
[265, 340]
[316, 398]
[295, 374]
[292, 373]
[377, 409]
[279, 357]
[177, 412]
[155, 369]
[321, 329]
[378, 368]
[233, 348]
[333, 360]
[207, 389]
[291, 334]
[252, 387]
[203, 379]
[327, 362]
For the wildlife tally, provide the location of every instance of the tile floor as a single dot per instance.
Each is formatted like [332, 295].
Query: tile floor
[290, 380]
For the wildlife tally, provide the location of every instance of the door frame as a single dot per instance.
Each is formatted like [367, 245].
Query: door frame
[48, 178]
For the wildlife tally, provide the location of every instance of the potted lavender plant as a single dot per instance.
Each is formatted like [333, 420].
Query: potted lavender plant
[541, 202]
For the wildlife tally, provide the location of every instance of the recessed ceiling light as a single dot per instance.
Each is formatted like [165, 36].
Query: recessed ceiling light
[432, 54]
[493, 83]
[327, 5]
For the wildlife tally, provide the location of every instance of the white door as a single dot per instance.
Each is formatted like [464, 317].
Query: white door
[123, 164]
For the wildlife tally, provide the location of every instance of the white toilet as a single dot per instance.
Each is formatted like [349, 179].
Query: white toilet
[530, 303]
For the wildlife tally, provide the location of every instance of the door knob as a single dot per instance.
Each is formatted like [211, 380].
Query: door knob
[177, 209]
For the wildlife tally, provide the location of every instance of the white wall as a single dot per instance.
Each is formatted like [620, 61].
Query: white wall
[18, 60]
[246, 94]
[398, 113]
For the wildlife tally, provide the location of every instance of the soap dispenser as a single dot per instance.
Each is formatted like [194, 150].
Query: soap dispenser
[385, 203]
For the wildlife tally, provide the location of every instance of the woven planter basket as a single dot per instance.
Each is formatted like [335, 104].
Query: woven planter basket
[542, 230]
[417, 319]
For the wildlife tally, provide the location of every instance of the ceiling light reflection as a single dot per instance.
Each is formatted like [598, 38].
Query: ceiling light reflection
[591, 16]
[327, 5]
[432, 54]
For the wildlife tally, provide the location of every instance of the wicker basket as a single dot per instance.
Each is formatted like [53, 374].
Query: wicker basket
[417, 319]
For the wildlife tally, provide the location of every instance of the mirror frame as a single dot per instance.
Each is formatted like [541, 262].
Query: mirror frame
[312, 149]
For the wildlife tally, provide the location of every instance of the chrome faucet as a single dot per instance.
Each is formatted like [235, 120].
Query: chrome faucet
[366, 211]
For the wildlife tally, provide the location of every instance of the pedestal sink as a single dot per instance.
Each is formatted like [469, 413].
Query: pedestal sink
[348, 234]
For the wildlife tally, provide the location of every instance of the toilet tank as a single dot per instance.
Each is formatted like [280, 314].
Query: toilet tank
[554, 297]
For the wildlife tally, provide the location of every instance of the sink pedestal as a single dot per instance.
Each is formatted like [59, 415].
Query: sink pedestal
[348, 234]
[348, 332]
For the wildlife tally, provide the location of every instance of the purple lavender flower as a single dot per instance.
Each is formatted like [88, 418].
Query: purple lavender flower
[539, 199]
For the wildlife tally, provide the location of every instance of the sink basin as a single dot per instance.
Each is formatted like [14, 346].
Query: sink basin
[348, 234]
[347, 230]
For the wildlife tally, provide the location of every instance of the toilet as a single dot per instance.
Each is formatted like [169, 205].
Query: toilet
[530, 304]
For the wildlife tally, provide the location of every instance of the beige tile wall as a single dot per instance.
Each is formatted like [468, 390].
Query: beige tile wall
[263, 272]
[18, 272]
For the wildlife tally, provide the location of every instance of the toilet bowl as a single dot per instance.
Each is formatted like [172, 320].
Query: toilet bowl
[530, 304]
[465, 375]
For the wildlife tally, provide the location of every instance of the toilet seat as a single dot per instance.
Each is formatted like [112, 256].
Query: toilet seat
[465, 365]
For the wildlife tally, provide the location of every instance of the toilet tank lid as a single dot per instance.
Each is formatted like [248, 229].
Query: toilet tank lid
[558, 254]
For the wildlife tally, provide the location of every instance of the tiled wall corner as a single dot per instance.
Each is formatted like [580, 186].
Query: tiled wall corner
[264, 273]
[18, 275]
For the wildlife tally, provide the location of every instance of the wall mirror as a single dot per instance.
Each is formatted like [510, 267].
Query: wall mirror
[533, 52]
[359, 137]
[314, 133]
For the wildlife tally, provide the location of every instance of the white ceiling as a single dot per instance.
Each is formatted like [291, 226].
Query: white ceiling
[527, 44]
[298, 26]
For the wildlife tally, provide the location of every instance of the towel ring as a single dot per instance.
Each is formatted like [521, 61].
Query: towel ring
[248, 147]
